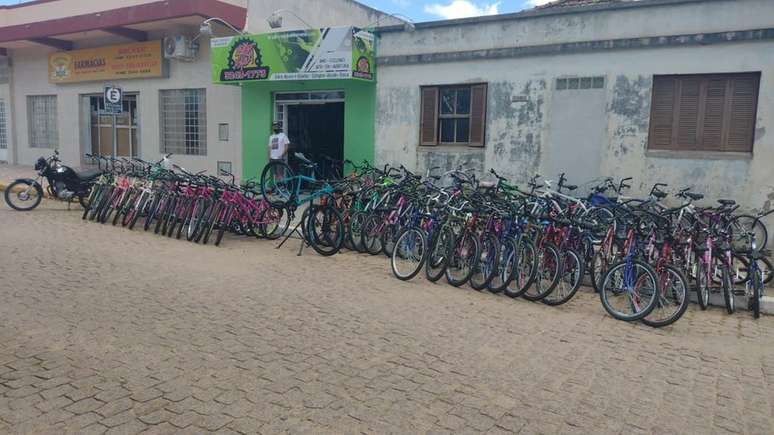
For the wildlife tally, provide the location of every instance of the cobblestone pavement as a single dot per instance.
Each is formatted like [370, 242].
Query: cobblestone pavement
[103, 330]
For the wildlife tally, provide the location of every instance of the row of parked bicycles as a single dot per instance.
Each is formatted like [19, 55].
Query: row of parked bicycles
[646, 259]
[643, 257]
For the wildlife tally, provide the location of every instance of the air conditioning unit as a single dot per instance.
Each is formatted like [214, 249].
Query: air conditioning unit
[180, 47]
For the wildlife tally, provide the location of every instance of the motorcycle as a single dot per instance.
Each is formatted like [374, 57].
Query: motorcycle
[64, 184]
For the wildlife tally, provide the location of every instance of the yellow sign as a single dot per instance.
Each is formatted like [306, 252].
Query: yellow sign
[116, 62]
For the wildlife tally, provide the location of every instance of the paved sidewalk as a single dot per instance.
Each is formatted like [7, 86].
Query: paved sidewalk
[105, 330]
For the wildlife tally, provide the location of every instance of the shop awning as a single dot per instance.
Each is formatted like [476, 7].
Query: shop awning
[314, 54]
[126, 23]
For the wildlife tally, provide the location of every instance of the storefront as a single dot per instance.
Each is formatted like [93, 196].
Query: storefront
[319, 84]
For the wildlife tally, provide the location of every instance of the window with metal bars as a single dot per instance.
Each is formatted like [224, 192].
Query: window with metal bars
[183, 121]
[3, 126]
[704, 112]
[41, 121]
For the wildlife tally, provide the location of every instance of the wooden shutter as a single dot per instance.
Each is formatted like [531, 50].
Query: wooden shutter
[686, 136]
[704, 112]
[477, 115]
[428, 126]
[743, 101]
[713, 114]
[662, 113]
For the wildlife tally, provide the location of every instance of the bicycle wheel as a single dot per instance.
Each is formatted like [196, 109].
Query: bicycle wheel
[96, 192]
[354, 230]
[728, 289]
[601, 262]
[570, 278]
[370, 236]
[463, 260]
[278, 183]
[756, 282]
[409, 254]
[325, 230]
[224, 223]
[673, 298]
[506, 259]
[743, 224]
[549, 266]
[390, 237]
[486, 267]
[629, 290]
[275, 221]
[702, 284]
[212, 222]
[440, 250]
[525, 266]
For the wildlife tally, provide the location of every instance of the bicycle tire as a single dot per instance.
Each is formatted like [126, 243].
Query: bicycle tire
[225, 223]
[757, 287]
[486, 269]
[728, 290]
[506, 260]
[642, 273]
[667, 275]
[571, 275]
[329, 240]
[549, 266]
[460, 256]
[278, 184]
[702, 284]
[408, 241]
[281, 215]
[438, 254]
[525, 269]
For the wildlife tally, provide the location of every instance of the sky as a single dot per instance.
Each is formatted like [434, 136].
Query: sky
[428, 10]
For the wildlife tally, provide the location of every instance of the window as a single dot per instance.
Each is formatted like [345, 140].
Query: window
[183, 121]
[3, 127]
[453, 115]
[41, 121]
[223, 132]
[595, 82]
[704, 112]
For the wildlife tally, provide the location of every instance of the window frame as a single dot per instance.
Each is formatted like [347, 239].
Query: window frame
[472, 114]
[185, 144]
[701, 149]
[454, 116]
[51, 134]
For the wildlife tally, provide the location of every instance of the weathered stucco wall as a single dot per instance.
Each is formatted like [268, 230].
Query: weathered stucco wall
[520, 124]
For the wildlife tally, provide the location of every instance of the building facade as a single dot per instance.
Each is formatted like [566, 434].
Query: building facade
[59, 63]
[672, 91]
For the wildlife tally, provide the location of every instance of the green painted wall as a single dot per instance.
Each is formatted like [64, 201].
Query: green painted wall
[257, 112]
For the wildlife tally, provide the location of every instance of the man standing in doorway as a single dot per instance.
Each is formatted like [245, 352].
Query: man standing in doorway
[279, 144]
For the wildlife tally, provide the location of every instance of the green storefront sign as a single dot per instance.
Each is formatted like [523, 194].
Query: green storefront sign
[330, 53]
[329, 59]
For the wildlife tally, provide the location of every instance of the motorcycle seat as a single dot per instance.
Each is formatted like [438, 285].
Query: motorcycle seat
[88, 174]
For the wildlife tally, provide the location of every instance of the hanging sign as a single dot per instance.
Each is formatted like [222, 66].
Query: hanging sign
[314, 54]
[127, 61]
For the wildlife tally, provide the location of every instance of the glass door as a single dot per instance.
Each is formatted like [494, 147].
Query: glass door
[114, 135]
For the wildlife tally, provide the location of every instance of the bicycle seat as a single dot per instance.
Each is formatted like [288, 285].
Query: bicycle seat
[570, 187]
[659, 194]
[694, 196]
[727, 202]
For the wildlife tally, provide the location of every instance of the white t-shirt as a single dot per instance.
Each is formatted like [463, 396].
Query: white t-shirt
[278, 143]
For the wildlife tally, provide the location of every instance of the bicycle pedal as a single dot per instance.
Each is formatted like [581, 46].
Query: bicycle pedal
[740, 293]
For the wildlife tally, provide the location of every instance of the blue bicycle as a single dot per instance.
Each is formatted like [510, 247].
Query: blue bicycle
[321, 225]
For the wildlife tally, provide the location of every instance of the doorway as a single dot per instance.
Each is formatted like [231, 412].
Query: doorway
[314, 123]
[102, 126]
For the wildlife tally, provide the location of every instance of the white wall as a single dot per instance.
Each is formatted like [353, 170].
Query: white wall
[705, 17]
[29, 77]
[520, 134]
[320, 13]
